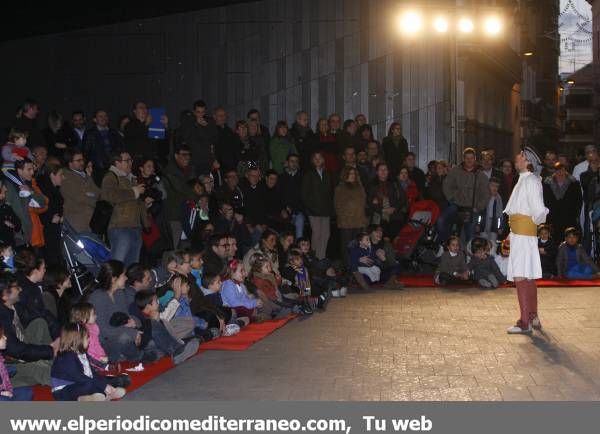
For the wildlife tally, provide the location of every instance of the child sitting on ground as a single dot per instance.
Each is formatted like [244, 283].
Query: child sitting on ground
[7, 392]
[547, 250]
[8, 258]
[322, 271]
[452, 268]
[298, 275]
[196, 263]
[163, 335]
[572, 261]
[364, 261]
[484, 269]
[502, 257]
[85, 315]
[73, 378]
[211, 288]
[235, 294]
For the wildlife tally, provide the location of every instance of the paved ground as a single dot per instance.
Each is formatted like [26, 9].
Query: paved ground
[416, 344]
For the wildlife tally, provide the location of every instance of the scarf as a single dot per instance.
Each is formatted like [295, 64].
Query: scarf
[558, 190]
[5, 384]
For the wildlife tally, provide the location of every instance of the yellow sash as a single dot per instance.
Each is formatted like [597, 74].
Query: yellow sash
[522, 225]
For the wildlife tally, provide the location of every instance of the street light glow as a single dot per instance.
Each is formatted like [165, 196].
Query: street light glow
[528, 53]
[465, 25]
[410, 22]
[492, 26]
[440, 24]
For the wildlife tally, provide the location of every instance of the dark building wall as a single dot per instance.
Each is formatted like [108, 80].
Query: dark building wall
[276, 55]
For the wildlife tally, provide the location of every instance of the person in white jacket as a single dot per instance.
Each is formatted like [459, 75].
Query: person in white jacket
[526, 211]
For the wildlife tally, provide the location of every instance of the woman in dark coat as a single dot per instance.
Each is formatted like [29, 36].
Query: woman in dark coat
[52, 219]
[386, 202]
[395, 148]
[508, 181]
[562, 196]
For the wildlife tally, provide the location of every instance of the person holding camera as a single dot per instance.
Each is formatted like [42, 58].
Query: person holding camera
[120, 189]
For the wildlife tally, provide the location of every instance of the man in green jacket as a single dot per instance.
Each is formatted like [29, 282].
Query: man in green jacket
[177, 174]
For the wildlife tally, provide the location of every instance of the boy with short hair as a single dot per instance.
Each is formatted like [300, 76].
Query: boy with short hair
[15, 149]
[547, 249]
[483, 267]
[162, 336]
[572, 262]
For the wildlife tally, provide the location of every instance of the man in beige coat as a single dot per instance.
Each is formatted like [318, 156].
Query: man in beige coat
[79, 191]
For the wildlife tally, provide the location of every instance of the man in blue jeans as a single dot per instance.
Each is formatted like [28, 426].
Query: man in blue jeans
[119, 187]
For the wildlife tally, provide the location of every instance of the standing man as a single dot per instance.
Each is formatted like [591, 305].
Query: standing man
[317, 196]
[199, 132]
[525, 210]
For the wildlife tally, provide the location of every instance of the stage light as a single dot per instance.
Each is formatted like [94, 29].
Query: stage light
[440, 24]
[465, 25]
[411, 22]
[492, 26]
[528, 53]
[571, 82]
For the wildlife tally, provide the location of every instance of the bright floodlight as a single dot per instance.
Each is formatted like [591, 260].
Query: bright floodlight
[440, 24]
[410, 22]
[465, 25]
[492, 26]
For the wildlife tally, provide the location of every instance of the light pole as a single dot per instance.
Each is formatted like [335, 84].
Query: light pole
[455, 22]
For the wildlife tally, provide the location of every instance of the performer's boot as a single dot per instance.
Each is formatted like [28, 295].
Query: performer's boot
[523, 325]
[533, 315]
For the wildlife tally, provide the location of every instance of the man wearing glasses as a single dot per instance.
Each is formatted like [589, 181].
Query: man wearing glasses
[79, 191]
[120, 190]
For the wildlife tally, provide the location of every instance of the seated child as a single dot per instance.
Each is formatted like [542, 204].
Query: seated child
[73, 378]
[321, 270]
[364, 261]
[235, 294]
[196, 263]
[15, 149]
[85, 315]
[163, 335]
[484, 269]
[502, 257]
[452, 268]
[211, 288]
[572, 261]
[267, 285]
[7, 391]
[547, 250]
[299, 277]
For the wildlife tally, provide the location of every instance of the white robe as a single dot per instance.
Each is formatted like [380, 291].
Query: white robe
[527, 198]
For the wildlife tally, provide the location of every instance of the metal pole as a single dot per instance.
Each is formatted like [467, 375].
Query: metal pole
[453, 99]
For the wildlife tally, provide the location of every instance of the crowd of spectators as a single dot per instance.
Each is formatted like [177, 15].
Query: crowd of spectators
[213, 227]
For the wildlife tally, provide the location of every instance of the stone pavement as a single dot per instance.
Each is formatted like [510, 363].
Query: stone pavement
[415, 344]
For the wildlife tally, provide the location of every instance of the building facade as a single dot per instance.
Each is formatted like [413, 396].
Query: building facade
[279, 56]
[596, 66]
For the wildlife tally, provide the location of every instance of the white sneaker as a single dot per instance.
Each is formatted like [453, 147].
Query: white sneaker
[536, 323]
[343, 291]
[231, 330]
[518, 330]
[335, 293]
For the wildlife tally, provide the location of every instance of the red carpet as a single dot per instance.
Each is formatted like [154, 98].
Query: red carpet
[242, 341]
[427, 282]
[248, 336]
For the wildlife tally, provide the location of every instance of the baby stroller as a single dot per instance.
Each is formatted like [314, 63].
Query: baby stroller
[415, 245]
[84, 253]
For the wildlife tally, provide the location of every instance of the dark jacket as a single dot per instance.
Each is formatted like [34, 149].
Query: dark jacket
[136, 140]
[227, 148]
[548, 259]
[564, 205]
[507, 184]
[202, 140]
[213, 264]
[395, 196]
[254, 202]
[435, 192]
[394, 154]
[17, 349]
[31, 306]
[317, 193]
[97, 146]
[7, 233]
[63, 135]
[562, 259]
[291, 190]
[175, 182]
[418, 176]
[305, 140]
[67, 369]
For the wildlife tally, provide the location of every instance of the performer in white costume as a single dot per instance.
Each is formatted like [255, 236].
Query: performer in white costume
[525, 210]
